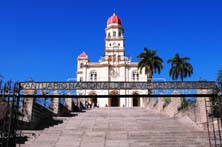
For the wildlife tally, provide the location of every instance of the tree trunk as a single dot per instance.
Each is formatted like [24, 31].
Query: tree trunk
[149, 74]
[149, 80]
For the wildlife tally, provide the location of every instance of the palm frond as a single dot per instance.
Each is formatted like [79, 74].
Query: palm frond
[180, 67]
[150, 62]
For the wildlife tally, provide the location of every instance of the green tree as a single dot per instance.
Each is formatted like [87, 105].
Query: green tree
[180, 67]
[1, 81]
[150, 62]
[216, 101]
[219, 78]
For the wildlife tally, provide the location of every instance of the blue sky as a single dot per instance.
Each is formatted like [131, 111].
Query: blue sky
[42, 38]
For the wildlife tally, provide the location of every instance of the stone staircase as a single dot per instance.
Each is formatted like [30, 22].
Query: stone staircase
[120, 127]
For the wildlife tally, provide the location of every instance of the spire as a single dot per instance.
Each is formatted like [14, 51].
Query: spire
[114, 12]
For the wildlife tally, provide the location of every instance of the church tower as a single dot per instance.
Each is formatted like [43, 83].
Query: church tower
[114, 66]
[114, 41]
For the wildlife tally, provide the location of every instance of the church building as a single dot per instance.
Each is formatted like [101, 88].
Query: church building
[113, 66]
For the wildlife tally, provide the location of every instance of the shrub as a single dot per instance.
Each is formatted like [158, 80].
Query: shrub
[167, 100]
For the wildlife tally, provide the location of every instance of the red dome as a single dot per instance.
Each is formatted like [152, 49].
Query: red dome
[114, 20]
[83, 55]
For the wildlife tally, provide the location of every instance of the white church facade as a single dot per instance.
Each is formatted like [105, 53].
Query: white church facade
[113, 66]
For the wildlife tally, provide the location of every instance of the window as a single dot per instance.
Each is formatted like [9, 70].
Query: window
[109, 35]
[80, 79]
[110, 58]
[119, 34]
[114, 33]
[114, 58]
[93, 76]
[81, 65]
[135, 75]
[119, 57]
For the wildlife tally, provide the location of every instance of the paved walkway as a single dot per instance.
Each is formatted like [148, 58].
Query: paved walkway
[120, 127]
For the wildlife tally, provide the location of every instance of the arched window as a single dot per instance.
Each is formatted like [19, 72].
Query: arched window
[81, 65]
[120, 34]
[109, 58]
[109, 35]
[114, 33]
[135, 75]
[93, 76]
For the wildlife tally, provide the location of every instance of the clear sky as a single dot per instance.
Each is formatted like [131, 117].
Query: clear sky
[42, 38]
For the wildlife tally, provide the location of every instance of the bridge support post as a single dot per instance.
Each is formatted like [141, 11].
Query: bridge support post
[201, 108]
[68, 102]
[28, 105]
[55, 103]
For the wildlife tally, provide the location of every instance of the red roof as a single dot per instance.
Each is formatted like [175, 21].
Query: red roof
[114, 20]
[83, 55]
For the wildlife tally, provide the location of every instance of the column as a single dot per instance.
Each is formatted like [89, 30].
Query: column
[28, 105]
[68, 102]
[55, 103]
[202, 116]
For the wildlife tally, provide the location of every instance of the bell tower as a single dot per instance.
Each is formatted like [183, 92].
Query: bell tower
[114, 41]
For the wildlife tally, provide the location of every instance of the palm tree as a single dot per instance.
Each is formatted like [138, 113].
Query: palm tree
[180, 67]
[150, 62]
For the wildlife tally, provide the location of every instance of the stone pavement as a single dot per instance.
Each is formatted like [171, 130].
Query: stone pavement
[120, 127]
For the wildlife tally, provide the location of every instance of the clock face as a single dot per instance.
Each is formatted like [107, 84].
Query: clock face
[114, 73]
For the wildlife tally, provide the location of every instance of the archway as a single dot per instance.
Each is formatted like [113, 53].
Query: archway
[114, 101]
[93, 100]
[136, 100]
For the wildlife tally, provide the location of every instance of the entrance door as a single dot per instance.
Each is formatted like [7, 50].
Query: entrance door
[114, 101]
[93, 100]
[136, 102]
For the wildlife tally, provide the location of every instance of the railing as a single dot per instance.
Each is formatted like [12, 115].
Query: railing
[9, 105]
[13, 111]
[10, 101]
[214, 118]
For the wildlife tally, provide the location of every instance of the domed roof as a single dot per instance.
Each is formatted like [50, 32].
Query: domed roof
[114, 19]
[83, 55]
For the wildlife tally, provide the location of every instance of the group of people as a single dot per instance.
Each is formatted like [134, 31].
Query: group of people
[91, 105]
[88, 105]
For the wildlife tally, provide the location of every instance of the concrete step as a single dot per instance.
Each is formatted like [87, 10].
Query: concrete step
[109, 127]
